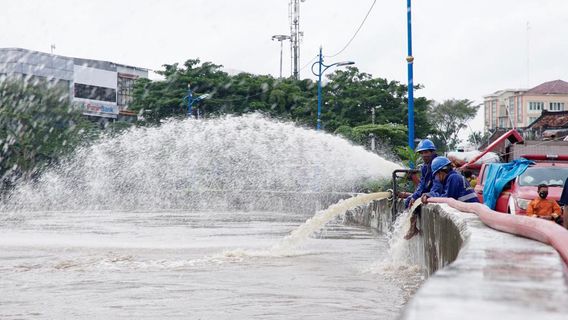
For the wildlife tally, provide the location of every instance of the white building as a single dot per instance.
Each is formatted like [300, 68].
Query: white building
[101, 89]
[519, 108]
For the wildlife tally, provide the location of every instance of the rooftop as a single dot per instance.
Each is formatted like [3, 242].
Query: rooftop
[550, 119]
[550, 87]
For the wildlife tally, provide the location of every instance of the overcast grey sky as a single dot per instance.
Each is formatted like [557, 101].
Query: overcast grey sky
[462, 48]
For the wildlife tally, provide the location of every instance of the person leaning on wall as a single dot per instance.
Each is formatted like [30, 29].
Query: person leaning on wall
[544, 208]
[454, 185]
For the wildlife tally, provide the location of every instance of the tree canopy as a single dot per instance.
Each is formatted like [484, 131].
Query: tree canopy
[348, 95]
[448, 119]
[37, 126]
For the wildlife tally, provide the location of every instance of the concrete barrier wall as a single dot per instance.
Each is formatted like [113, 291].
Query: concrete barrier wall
[477, 272]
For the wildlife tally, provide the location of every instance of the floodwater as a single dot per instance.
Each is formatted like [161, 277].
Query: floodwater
[185, 221]
[193, 265]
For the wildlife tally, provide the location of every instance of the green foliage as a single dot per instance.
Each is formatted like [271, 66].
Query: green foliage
[37, 127]
[349, 97]
[378, 185]
[477, 138]
[448, 118]
[408, 156]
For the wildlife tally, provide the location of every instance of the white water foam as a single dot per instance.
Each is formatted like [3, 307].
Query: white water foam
[192, 164]
[292, 243]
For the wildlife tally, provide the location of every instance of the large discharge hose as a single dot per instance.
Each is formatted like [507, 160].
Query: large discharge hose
[529, 227]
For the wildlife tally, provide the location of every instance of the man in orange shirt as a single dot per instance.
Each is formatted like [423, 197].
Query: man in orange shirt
[544, 208]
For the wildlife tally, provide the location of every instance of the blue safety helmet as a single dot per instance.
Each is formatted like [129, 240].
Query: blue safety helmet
[425, 144]
[438, 163]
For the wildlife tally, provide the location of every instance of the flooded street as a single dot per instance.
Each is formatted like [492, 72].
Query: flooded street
[193, 265]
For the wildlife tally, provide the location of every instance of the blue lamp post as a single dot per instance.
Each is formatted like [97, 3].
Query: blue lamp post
[319, 74]
[191, 101]
[410, 61]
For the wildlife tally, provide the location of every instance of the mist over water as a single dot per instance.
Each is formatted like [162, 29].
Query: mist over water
[229, 163]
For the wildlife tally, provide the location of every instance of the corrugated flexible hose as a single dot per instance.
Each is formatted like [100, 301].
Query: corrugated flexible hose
[529, 227]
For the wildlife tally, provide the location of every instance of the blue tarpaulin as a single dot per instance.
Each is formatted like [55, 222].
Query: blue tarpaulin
[498, 175]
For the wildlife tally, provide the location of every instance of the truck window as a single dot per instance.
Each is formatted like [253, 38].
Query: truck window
[551, 176]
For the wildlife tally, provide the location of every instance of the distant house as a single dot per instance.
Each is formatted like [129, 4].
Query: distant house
[551, 125]
[519, 108]
[101, 89]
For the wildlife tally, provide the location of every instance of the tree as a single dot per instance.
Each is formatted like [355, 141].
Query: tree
[349, 97]
[448, 118]
[477, 138]
[38, 125]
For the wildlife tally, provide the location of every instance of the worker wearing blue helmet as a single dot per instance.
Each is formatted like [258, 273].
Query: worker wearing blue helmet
[454, 184]
[427, 151]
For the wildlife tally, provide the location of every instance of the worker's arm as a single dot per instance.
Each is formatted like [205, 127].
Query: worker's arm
[454, 186]
[422, 186]
[437, 188]
[556, 210]
[530, 209]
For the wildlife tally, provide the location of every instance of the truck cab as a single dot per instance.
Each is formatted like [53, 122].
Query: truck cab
[551, 170]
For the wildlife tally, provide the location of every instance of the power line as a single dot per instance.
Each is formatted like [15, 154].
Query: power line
[309, 62]
[356, 32]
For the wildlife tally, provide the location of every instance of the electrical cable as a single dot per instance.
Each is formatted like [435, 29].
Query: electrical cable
[309, 62]
[356, 32]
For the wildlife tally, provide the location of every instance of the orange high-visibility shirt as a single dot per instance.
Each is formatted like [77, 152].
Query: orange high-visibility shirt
[543, 207]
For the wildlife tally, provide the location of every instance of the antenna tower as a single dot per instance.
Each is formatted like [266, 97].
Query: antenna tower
[295, 37]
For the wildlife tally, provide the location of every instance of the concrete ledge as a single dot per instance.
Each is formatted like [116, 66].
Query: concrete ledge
[478, 273]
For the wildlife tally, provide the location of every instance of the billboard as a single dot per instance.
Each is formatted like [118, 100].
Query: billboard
[99, 109]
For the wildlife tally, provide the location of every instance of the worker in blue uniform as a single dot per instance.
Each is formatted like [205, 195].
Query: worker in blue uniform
[454, 185]
[427, 151]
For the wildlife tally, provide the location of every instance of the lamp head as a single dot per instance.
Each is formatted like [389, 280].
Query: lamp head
[345, 63]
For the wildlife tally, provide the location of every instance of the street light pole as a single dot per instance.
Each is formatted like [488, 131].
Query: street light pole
[319, 74]
[372, 135]
[189, 100]
[410, 61]
[280, 37]
[320, 62]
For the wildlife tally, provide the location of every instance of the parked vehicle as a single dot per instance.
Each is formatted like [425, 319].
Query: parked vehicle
[548, 169]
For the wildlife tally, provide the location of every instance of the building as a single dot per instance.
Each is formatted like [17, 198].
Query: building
[551, 125]
[101, 89]
[504, 109]
[518, 108]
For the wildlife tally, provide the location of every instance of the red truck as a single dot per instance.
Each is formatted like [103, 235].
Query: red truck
[550, 167]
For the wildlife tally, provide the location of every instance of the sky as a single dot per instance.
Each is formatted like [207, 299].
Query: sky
[463, 49]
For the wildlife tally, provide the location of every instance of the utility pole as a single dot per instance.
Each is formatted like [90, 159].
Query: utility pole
[373, 144]
[410, 63]
[280, 37]
[295, 36]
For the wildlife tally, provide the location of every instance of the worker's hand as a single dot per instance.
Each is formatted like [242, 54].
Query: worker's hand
[411, 202]
[424, 198]
[554, 216]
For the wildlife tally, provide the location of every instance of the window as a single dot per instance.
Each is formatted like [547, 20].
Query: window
[536, 106]
[510, 107]
[85, 91]
[556, 106]
[532, 119]
[493, 114]
[553, 177]
[519, 110]
[125, 87]
[487, 110]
